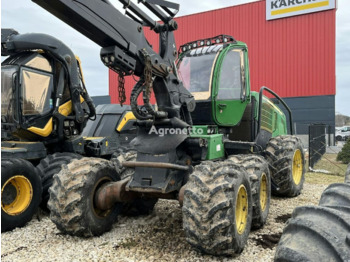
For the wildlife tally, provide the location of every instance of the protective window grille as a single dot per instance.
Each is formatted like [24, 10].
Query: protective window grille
[317, 143]
[266, 117]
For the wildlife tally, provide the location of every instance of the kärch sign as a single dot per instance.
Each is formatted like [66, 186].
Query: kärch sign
[285, 8]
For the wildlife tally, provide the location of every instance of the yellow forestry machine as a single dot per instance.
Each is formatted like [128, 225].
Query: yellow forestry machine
[44, 109]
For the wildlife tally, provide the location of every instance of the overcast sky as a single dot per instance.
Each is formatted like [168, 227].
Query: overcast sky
[25, 16]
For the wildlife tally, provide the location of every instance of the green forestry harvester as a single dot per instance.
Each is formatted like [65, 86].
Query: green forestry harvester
[44, 109]
[212, 143]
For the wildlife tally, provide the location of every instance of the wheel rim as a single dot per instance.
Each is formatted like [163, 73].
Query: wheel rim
[241, 209]
[263, 192]
[16, 195]
[297, 167]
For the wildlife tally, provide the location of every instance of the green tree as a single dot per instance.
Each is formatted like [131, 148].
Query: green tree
[344, 154]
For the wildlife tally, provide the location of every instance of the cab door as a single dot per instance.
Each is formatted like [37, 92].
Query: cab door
[230, 88]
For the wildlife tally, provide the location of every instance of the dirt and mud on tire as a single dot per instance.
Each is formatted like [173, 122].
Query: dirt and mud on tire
[217, 208]
[139, 206]
[72, 194]
[286, 158]
[316, 233]
[50, 166]
[20, 193]
[260, 182]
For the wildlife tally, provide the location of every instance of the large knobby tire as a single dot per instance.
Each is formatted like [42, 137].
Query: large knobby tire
[260, 183]
[316, 233]
[139, 206]
[72, 195]
[20, 193]
[336, 195]
[286, 158]
[50, 166]
[319, 233]
[217, 208]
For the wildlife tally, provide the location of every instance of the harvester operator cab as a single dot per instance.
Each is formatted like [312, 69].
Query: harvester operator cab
[214, 71]
[36, 99]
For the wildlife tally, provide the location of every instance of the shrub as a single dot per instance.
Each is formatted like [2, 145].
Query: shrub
[344, 154]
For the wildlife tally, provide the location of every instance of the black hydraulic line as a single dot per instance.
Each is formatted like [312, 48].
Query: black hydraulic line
[136, 91]
[264, 88]
[150, 109]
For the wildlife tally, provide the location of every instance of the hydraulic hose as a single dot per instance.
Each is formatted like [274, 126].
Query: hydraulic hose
[150, 109]
[136, 91]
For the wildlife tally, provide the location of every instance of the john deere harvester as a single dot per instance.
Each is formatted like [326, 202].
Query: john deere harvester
[213, 144]
[44, 109]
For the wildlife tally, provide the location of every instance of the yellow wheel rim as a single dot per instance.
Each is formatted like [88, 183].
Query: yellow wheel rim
[241, 209]
[263, 192]
[297, 167]
[16, 195]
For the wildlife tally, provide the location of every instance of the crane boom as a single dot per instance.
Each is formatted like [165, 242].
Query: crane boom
[126, 50]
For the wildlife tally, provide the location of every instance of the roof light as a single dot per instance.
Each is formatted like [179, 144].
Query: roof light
[184, 49]
[225, 40]
[208, 42]
[194, 45]
[217, 40]
[201, 43]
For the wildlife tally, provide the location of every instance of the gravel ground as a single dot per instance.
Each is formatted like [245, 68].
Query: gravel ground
[157, 237]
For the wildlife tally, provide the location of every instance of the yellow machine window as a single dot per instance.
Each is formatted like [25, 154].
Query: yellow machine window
[36, 88]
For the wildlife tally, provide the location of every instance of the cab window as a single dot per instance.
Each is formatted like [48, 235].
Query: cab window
[195, 72]
[36, 91]
[231, 76]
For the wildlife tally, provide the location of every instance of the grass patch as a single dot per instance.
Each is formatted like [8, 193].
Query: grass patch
[328, 162]
[323, 179]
